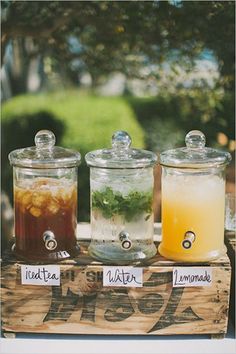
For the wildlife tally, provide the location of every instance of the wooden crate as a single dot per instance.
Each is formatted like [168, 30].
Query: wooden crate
[230, 241]
[81, 305]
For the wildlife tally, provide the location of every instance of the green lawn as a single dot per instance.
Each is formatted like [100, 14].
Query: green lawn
[89, 121]
[86, 122]
[79, 121]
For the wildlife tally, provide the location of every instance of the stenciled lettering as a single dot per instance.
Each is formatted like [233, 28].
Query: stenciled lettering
[118, 305]
[62, 306]
[93, 276]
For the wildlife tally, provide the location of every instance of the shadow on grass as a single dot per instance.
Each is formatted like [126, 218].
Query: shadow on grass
[19, 132]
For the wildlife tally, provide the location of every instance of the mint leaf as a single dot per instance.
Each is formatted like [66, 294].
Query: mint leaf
[112, 203]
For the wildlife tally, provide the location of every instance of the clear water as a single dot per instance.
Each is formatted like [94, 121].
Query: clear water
[105, 243]
[112, 251]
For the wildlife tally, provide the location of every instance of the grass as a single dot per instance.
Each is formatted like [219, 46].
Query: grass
[80, 122]
[89, 121]
[86, 122]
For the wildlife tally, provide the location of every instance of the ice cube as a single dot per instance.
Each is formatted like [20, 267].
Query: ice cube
[35, 212]
[39, 182]
[18, 194]
[53, 207]
[39, 200]
[26, 199]
[73, 198]
[63, 197]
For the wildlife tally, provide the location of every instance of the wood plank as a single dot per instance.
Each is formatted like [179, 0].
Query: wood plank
[81, 305]
[230, 241]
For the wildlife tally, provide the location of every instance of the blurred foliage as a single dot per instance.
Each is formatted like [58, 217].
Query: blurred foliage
[100, 37]
[168, 117]
[86, 122]
[80, 122]
[70, 38]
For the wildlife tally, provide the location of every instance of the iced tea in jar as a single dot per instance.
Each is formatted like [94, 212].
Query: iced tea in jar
[193, 201]
[45, 200]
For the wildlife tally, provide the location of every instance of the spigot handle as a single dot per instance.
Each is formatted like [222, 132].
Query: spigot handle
[126, 243]
[49, 240]
[189, 238]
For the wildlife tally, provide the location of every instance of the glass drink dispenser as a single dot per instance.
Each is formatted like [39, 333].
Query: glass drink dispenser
[45, 200]
[193, 201]
[121, 183]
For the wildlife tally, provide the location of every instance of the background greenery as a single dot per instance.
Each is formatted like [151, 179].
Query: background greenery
[151, 43]
[85, 122]
[79, 121]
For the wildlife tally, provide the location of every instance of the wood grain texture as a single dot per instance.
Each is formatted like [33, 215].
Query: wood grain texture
[230, 241]
[81, 305]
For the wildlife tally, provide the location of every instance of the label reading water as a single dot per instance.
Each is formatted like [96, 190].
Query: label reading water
[192, 276]
[40, 275]
[123, 276]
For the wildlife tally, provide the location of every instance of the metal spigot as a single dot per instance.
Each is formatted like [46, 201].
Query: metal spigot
[49, 240]
[125, 240]
[189, 238]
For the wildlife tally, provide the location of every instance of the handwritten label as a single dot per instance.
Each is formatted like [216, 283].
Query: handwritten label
[40, 274]
[192, 276]
[123, 276]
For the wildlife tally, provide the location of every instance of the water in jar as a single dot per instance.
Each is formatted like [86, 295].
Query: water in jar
[121, 202]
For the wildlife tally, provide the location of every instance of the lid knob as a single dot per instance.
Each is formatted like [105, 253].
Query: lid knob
[121, 140]
[44, 139]
[195, 139]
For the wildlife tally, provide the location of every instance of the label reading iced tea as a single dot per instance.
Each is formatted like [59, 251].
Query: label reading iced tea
[40, 275]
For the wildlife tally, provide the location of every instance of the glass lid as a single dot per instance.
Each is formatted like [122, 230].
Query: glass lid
[121, 155]
[44, 154]
[195, 154]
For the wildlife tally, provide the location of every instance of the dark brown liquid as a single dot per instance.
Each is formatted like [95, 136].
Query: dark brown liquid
[45, 206]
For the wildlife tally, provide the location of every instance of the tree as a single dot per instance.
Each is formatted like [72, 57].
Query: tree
[106, 36]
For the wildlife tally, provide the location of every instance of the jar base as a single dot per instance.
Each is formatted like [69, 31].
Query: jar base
[47, 257]
[190, 258]
[112, 252]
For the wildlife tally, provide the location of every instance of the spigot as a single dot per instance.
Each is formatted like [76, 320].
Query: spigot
[125, 240]
[189, 238]
[49, 240]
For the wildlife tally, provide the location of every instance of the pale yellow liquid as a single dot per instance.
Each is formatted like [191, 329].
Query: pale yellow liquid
[192, 203]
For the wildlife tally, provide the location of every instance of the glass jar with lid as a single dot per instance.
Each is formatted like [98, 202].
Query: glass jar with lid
[193, 201]
[121, 185]
[45, 200]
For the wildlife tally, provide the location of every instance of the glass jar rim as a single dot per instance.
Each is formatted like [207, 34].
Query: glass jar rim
[44, 154]
[121, 155]
[195, 155]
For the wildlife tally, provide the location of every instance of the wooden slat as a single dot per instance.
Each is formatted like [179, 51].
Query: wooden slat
[82, 305]
[230, 241]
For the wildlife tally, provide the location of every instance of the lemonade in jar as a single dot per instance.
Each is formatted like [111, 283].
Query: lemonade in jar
[193, 201]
